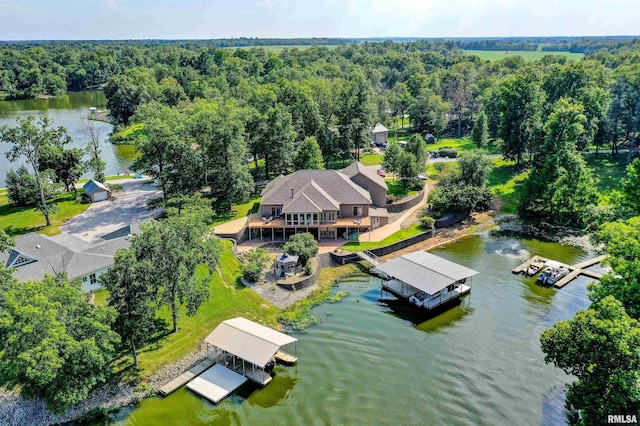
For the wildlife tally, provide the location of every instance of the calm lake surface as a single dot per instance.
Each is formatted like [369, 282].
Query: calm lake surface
[479, 363]
[69, 110]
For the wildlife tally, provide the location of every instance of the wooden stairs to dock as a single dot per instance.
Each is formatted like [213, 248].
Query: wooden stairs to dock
[576, 270]
[369, 257]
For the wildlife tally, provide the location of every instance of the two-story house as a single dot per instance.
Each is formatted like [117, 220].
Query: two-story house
[330, 204]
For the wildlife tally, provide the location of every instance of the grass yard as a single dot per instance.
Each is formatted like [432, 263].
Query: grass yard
[229, 299]
[607, 172]
[239, 210]
[22, 220]
[414, 229]
[462, 144]
[506, 182]
[527, 55]
[397, 189]
[129, 133]
[371, 159]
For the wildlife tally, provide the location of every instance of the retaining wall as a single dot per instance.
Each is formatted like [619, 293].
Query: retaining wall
[450, 219]
[405, 205]
[308, 280]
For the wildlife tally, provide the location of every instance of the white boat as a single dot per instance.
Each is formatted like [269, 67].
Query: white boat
[552, 274]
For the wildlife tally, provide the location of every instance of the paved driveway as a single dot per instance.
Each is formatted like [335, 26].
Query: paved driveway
[130, 205]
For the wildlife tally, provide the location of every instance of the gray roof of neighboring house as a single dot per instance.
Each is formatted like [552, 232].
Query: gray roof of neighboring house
[62, 253]
[425, 271]
[94, 186]
[357, 168]
[379, 128]
[333, 184]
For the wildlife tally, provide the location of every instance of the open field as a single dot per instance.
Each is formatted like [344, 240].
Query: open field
[22, 220]
[527, 55]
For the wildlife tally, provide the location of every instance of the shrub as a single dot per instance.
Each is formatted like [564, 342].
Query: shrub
[391, 198]
[448, 152]
[255, 261]
[302, 245]
[251, 272]
[308, 270]
[427, 221]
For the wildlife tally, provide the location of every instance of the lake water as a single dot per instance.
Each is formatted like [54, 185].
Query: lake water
[69, 110]
[479, 363]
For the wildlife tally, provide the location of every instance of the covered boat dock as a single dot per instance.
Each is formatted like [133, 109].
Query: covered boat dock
[425, 280]
[242, 350]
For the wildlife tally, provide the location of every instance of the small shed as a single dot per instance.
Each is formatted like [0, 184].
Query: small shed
[285, 264]
[96, 191]
[429, 138]
[380, 134]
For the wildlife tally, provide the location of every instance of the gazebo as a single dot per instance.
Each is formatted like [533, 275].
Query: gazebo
[285, 264]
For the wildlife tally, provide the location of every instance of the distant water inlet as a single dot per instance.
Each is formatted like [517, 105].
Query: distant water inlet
[70, 111]
[369, 363]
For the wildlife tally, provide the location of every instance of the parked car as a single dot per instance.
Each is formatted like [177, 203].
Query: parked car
[422, 176]
[381, 144]
[381, 173]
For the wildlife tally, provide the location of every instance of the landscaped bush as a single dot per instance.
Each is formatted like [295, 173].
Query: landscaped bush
[427, 221]
[448, 152]
[391, 198]
[308, 270]
[254, 263]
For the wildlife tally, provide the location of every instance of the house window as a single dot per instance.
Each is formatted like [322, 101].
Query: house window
[275, 211]
[92, 278]
[84, 279]
[327, 217]
[357, 210]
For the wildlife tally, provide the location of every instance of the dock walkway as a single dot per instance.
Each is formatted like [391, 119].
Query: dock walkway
[368, 257]
[185, 377]
[576, 270]
[216, 383]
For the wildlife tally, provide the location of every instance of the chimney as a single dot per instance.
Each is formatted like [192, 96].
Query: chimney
[292, 193]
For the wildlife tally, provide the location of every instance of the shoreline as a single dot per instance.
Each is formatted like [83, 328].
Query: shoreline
[111, 397]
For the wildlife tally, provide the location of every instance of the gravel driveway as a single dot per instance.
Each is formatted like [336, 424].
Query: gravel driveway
[129, 205]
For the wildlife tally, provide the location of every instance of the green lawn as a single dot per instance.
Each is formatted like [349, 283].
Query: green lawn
[462, 144]
[527, 55]
[397, 189]
[229, 299]
[371, 159]
[414, 229]
[129, 133]
[506, 182]
[100, 298]
[607, 172]
[239, 210]
[22, 220]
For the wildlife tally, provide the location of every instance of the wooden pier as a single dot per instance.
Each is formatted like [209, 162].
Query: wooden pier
[575, 270]
[185, 377]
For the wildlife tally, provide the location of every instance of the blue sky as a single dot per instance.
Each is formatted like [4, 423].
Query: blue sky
[126, 19]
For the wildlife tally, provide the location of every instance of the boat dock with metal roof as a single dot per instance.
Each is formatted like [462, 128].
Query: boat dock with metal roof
[425, 280]
[242, 350]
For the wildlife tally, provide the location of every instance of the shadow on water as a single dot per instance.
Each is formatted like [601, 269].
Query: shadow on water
[272, 395]
[430, 321]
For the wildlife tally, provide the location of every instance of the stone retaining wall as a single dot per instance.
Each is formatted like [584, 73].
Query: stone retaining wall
[402, 244]
[405, 205]
[308, 280]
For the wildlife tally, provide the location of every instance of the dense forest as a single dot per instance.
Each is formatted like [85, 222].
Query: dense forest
[204, 116]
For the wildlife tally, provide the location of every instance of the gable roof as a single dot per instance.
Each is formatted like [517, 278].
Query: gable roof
[94, 186]
[300, 203]
[357, 168]
[425, 271]
[330, 186]
[379, 128]
[248, 340]
[62, 253]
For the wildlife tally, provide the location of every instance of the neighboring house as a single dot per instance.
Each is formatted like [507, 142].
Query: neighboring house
[96, 191]
[380, 135]
[327, 203]
[35, 255]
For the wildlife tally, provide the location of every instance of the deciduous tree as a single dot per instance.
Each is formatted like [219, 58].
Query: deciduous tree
[600, 346]
[308, 155]
[54, 344]
[480, 132]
